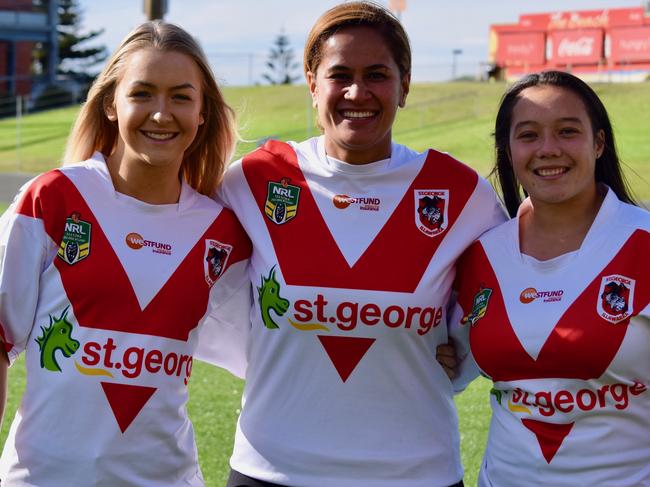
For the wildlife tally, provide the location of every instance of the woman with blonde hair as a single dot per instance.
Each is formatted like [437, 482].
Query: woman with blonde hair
[110, 265]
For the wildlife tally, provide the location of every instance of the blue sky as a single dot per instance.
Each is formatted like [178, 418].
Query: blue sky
[237, 34]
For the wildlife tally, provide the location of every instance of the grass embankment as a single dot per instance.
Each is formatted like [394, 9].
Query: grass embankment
[454, 117]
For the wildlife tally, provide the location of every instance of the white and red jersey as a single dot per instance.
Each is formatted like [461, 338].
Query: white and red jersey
[567, 344]
[353, 266]
[104, 294]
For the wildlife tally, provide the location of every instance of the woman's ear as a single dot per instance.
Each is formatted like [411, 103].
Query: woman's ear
[599, 143]
[311, 83]
[406, 83]
[109, 110]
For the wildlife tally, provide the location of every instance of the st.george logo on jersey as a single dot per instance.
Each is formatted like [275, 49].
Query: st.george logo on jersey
[215, 259]
[615, 298]
[281, 201]
[431, 210]
[75, 244]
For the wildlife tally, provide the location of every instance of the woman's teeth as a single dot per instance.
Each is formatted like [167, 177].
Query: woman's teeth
[349, 114]
[157, 136]
[551, 171]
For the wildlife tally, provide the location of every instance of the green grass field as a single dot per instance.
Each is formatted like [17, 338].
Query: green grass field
[454, 117]
[457, 118]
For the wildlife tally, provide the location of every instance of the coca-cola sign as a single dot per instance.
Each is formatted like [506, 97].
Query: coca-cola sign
[583, 46]
[576, 46]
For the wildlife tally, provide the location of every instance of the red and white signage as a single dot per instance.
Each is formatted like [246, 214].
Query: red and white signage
[516, 49]
[596, 44]
[575, 46]
[629, 45]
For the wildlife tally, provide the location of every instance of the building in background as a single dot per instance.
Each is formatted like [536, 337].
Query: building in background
[597, 45]
[23, 23]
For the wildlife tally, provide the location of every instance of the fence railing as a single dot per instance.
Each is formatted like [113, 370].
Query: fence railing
[15, 135]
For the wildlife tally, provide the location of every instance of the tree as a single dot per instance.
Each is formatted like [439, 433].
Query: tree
[74, 57]
[281, 62]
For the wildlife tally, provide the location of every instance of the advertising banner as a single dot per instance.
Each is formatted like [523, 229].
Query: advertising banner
[517, 49]
[575, 46]
[629, 45]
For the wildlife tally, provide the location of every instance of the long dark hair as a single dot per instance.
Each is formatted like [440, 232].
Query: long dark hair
[608, 167]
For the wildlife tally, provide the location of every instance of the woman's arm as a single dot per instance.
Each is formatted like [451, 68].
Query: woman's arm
[4, 365]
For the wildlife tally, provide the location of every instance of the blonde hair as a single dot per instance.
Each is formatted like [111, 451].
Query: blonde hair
[352, 14]
[205, 160]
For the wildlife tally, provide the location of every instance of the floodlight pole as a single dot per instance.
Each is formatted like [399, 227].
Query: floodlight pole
[155, 9]
[454, 54]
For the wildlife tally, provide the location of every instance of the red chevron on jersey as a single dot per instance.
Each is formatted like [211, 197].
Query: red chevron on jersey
[549, 435]
[126, 401]
[345, 352]
[323, 264]
[84, 285]
[596, 340]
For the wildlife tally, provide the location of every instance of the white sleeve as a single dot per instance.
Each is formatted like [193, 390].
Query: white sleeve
[224, 331]
[467, 369]
[493, 211]
[232, 180]
[25, 252]
[482, 212]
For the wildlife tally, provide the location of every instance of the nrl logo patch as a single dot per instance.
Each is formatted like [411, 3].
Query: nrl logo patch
[281, 201]
[615, 298]
[479, 307]
[215, 259]
[75, 244]
[431, 210]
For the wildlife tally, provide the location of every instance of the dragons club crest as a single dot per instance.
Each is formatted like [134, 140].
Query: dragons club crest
[431, 210]
[215, 259]
[615, 298]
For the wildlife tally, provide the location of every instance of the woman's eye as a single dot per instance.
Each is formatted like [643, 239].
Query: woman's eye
[139, 94]
[377, 76]
[569, 131]
[526, 135]
[182, 97]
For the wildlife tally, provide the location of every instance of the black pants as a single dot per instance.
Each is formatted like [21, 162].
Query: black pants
[237, 479]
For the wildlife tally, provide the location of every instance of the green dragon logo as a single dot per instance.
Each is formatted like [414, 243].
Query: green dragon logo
[55, 337]
[270, 299]
[497, 394]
